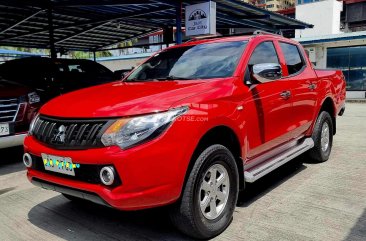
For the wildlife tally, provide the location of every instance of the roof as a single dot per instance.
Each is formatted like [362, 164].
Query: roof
[196, 41]
[332, 38]
[46, 60]
[92, 25]
[8, 52]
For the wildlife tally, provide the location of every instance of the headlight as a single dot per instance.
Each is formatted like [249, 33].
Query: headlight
[32, 124]
[33, 98]
[129, 132]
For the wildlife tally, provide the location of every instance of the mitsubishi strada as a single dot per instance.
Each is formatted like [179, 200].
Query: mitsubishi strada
[188, 128]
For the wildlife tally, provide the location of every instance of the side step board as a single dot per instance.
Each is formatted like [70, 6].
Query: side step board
[260, 170]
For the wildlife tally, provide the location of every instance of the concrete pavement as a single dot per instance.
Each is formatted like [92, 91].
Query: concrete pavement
[300, 201]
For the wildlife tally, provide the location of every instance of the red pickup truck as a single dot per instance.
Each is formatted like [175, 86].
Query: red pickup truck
[188, 128]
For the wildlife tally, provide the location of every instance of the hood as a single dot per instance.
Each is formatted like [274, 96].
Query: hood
[123, 99]
[12, 90]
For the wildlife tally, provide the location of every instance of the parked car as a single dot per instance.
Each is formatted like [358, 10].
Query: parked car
[51, 78]
[18, 106]
[188, 128]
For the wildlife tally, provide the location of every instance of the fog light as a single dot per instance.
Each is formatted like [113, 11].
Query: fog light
[107, 175]
[27, 160]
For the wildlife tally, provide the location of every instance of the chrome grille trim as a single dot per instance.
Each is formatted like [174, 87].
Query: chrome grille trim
[9, 108]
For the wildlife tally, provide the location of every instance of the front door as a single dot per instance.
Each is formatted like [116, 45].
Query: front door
[268, 106]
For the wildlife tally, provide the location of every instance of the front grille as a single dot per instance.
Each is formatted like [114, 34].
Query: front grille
[8, 109]
[69, 134]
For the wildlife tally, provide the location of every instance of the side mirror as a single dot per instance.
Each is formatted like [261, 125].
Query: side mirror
[267, 72]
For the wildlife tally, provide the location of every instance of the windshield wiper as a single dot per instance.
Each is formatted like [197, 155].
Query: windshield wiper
[172, 77]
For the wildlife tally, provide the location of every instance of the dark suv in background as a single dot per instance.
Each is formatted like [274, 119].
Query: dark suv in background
[51, 78]
[26, 84]
[18, 106]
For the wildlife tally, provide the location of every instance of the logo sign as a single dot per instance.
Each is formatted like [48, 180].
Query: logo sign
[60, 134]
[201, 19]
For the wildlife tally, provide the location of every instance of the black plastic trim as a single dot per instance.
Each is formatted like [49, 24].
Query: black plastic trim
[90, 196]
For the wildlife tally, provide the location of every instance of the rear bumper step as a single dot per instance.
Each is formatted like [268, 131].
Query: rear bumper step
[266, 167]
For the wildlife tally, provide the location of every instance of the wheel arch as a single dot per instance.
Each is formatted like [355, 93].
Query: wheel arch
[329, 106]
[225, 136]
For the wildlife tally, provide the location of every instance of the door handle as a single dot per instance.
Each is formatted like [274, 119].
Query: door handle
[312, 86]
[285, 94]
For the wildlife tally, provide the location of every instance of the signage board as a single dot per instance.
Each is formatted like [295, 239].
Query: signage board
[201, 19]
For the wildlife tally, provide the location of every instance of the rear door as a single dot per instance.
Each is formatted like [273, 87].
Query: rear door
[303, 88]
[268, 110]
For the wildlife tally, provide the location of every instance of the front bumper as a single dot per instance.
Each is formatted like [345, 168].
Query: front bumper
[11, 141]
[151, 174]
[70, 191]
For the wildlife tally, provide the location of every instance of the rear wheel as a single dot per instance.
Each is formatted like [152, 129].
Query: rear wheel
[323, 138]
[210, 195]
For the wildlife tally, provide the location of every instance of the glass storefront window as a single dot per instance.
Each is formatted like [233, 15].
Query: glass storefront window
[352, 61]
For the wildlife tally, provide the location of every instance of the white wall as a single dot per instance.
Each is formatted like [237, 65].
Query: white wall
[324, 15]
[356, 95]
[121, 63]
[319, 56]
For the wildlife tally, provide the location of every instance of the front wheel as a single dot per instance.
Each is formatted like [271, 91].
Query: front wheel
[323, 138]
[210, 195]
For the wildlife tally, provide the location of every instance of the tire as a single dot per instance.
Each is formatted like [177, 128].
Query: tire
[187, 215]
[320, 152]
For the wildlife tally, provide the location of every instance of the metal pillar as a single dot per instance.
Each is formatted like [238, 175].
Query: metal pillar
[179, 38]
[50, 32]
[94, 56]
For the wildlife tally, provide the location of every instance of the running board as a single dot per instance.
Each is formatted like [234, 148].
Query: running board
[260, 170]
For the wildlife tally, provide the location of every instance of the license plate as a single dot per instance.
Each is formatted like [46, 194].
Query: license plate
[58, 164]
[4, 129]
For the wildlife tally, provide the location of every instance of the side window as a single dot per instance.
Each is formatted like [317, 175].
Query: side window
[293, 58]
[264, 53]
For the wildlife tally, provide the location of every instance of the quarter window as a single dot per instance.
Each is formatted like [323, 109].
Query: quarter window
[293, 58]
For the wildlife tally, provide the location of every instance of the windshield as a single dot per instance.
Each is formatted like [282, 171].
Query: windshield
[203, 61]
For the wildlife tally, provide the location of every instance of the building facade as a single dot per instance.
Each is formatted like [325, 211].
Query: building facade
[272, 5]
[338, 39]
